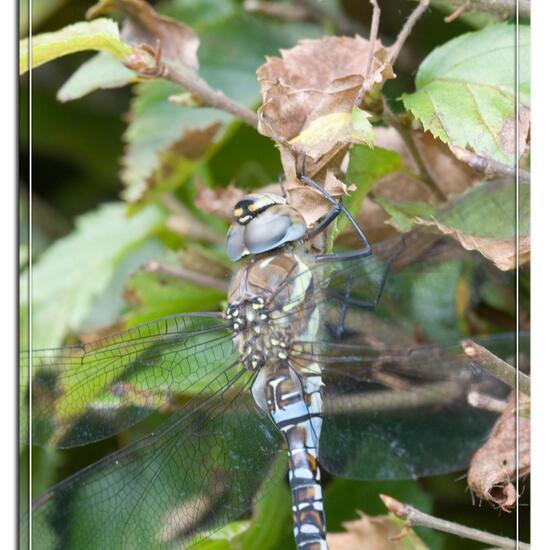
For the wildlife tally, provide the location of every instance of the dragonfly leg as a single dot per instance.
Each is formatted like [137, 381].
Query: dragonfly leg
[337, 209]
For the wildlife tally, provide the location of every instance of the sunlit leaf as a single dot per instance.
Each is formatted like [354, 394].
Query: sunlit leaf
[76, 270]
[101, 34]
[102, 71]
[466, 91]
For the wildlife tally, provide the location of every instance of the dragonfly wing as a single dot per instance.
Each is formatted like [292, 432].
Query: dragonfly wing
[419, 285]
[200, 470]
[90, 392]
[405, 413]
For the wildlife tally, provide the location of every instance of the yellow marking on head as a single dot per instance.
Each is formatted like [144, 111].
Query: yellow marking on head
[238, 212]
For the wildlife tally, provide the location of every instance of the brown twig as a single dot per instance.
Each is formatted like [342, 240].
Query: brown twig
[488, 166]
[416, 517]
[375, 22]
[502, 8]
[496, 366]
[191, 81]
[390, 118]
[287, 12]
[407, 29]
[182, 221]
[187, 275]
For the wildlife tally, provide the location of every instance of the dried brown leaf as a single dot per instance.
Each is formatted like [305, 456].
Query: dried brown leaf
[493, 468]
[178, 42]
[374, 533]
[508, 133]
[502, 252]
[310, 203]
[315, 79]
[218, 201]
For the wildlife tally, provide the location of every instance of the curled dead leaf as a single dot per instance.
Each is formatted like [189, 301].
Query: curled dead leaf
[375, 533]
[312, 87]
[178, 42]
[493, 468]
[310, 203]
[219, 200]
[502, 252]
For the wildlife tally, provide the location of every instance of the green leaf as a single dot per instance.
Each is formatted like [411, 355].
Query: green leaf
[403, 213]
[363, 131]
[101, 34]
[366, 167]
[154, 295]
[329, 130]
[102, 71]
[76, 270]
[466, 91]
[224, 538]
[482, 219]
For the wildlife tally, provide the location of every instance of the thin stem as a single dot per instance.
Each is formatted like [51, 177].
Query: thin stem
[416, 517]
[407, 29]
[375, 23]
[287, 12]
[502, 8]
[187, 275]
[496, 366]
[488, 166]
[183, 222]
[191, 81]
[408, 140]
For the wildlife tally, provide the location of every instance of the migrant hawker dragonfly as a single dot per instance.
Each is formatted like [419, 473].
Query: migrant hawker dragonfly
[309, 358]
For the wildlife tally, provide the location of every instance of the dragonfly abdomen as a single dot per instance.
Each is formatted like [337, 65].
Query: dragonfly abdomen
[296, 406]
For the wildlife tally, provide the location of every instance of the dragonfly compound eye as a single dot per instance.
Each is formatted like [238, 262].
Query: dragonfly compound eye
[263, 222]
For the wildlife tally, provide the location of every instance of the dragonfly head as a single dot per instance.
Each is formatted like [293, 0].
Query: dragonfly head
[263, 222]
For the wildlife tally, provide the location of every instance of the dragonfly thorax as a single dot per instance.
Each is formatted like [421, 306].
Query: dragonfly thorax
[259, 341]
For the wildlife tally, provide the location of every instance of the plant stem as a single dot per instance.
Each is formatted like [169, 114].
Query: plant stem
[496, 366]
[187, 275]
[416, 517]
[488, 166]
[191, 81]
[407, 29]
[408, 140]
[375, 22]
[502, 8]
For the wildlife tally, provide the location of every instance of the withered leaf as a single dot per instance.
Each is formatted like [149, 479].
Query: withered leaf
[502, 252]
[178, 42]
[375, 533]
[219, 200]
[315, 79]
[493, 468]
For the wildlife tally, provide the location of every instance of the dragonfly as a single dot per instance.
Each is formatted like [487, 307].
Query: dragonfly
[338, 360]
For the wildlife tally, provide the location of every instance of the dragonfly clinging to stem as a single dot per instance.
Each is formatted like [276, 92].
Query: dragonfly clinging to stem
[309, 348]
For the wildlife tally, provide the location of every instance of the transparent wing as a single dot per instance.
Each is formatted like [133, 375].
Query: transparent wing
[86, 393]
[197, 472]
[399, 413]
[418, 287]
